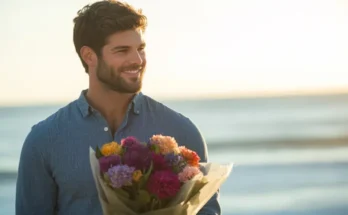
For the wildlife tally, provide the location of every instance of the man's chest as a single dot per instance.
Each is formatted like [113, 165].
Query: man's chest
[70, 164]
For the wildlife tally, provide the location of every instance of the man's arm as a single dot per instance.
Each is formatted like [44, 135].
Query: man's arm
[36, 190]
[196, 142]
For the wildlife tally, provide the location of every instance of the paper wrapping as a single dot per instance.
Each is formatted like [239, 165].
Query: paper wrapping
[193, 195]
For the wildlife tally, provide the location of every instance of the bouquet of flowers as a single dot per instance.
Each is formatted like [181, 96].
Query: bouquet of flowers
[153, 177]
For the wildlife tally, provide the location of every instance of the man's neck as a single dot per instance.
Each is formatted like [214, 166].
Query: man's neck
[112, 105]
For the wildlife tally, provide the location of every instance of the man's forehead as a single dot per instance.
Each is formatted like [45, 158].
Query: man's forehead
[126, 38]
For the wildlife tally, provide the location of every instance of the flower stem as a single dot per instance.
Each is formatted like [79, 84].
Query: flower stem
[153, 204]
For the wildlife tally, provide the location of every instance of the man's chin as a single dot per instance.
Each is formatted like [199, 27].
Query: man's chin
[126, 89]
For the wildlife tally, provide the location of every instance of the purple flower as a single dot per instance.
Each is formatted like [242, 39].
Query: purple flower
[138, 156]
[108, 161]
[129, 142]
[173, 159]
[120, 175]
[177, 162]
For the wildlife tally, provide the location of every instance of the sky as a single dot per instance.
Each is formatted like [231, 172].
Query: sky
[195, 49]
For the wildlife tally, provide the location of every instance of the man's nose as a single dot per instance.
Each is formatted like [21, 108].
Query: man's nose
[137, 58]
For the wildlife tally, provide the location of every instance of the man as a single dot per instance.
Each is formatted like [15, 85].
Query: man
[54, 175]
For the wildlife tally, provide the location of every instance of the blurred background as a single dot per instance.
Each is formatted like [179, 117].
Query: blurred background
[265, 81]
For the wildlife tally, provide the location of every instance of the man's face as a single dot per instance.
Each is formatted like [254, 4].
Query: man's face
[122, 65]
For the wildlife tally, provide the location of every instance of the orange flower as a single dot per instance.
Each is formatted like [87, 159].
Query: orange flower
[190, 156]
[166, 144]
[111, 148]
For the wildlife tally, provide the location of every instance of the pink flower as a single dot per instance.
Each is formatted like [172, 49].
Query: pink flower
[166, 144]
[164, 184]
[188, 173]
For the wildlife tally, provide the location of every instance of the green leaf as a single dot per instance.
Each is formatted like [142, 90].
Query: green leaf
[121, 192]
[155, 148]
[106, 178]
[143, 197]
[141, 183]
[98, 153]
[146, 176]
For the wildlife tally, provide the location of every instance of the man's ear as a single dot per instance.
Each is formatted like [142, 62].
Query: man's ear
[89, 56]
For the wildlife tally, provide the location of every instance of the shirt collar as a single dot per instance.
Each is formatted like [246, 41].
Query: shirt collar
[86, 109]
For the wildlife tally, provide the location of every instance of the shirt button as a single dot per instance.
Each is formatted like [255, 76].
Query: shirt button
[137, 112]
[106, 129]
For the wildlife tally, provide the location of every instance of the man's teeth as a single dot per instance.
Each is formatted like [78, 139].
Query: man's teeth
[132, 71]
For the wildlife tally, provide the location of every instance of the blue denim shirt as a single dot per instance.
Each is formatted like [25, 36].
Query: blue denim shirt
[54, 174]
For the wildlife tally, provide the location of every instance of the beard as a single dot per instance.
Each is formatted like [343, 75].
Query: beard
[112, 79]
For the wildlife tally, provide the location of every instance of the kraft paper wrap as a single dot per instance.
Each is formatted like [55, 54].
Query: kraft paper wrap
[193, 195]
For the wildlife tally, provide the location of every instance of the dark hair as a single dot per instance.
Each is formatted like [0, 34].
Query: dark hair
[96, 22]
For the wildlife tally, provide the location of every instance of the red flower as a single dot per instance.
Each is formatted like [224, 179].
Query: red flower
[159, 163]
[164, 184]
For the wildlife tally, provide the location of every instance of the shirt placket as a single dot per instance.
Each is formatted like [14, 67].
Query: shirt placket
[102, 126]
[119, 132]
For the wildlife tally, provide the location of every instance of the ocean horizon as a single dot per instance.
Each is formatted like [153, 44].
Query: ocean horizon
[289, 153]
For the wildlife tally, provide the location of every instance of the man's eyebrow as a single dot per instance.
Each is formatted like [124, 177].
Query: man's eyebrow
[116, 48]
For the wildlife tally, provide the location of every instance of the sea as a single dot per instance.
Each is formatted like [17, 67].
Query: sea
[289, 154]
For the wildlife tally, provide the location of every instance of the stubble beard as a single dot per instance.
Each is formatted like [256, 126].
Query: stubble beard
[111, 78]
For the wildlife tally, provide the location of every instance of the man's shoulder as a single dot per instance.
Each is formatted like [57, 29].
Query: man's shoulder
[165, 112]
[53, 121]
[176, 120]
[44, 131]
[181, 126]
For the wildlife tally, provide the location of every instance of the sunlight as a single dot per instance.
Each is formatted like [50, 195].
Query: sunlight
[195, 49]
